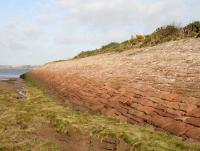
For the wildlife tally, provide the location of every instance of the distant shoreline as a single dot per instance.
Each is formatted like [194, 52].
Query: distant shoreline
[6, 79]
[12, 73]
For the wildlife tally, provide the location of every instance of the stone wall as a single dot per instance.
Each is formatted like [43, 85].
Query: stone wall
[158, 86]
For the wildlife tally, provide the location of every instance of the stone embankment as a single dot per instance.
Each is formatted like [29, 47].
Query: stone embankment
[158, 86]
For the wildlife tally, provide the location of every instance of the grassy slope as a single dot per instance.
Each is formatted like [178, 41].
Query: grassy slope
[160, 35]
[20, 119]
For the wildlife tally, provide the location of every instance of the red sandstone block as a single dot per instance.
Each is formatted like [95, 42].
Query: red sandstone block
[160, 121]
[147, 110]
[193, 133]
[198, 104]
[137, 113]
[126, 102]
[175, 112]
[138, 116]
[122, 110]
[173, 105]
[111, 113]
[177, 127]
[105, 95]
[195, 113]
[174, 97]
[193, 121]
[147, 103]
[122, 89]
[117, 98]
[155, 108]
[86, 93]
[165, 114]
[160, 106]
[135, 119]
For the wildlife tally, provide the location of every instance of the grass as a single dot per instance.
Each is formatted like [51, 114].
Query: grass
[160, 35]
[19, 120]
[17, 125]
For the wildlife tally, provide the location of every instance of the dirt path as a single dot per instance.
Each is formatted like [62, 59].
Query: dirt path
[80, 141]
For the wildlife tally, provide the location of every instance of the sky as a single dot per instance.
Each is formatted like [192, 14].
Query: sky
[34, 32]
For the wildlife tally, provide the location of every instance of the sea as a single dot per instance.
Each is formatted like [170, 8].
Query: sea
[6, 74]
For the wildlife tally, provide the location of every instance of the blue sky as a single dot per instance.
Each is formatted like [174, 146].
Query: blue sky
[39, 31]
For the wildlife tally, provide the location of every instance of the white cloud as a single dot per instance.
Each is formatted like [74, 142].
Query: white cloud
[101, 21]
[105, 14]
[59, 29]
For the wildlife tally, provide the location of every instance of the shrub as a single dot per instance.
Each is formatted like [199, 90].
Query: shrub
[160, 35]
[164, 34]
[192, 29]
[140, 37]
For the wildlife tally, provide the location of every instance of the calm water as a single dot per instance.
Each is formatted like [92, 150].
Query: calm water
[11, 73]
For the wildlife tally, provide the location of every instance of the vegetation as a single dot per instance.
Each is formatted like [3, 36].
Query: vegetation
[20, 119]
[18, 123]
[160, 35]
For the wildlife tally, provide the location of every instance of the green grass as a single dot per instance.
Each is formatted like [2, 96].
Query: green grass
[160, 35]
[17, 125]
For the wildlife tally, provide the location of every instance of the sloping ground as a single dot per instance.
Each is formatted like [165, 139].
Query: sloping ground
[38, 122]
[158, 85]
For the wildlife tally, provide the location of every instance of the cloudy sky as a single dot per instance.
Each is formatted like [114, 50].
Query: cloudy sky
[39, 31]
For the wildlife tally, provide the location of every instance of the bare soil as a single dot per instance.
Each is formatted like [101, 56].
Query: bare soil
[80, 141]
[12, 84]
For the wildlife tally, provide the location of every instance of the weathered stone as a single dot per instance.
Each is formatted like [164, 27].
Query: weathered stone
[193, 133]
[157, 86]
[195, 113]
[193, 121]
